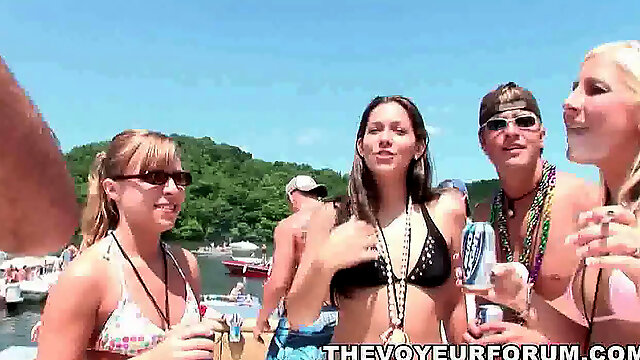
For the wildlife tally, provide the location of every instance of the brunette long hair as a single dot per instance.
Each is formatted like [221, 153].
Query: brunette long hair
[363, 194]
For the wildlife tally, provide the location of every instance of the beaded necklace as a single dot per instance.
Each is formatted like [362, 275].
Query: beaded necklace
[540, 211]
[397, 301]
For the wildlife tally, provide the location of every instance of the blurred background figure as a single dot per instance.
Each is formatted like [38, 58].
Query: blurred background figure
[460, 186]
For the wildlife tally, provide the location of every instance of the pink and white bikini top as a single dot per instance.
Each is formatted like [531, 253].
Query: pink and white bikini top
[127, 331]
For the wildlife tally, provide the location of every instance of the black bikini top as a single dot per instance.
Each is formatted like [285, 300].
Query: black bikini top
[432, 269]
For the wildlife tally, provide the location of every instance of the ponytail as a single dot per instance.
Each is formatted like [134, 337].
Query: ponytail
[100, 213]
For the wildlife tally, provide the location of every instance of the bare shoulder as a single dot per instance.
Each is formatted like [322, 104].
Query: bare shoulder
[577, 191]
[86, 272]
[285, 229]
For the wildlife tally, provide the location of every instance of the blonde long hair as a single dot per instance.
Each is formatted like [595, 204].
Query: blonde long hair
[101, 213]
[626, 55]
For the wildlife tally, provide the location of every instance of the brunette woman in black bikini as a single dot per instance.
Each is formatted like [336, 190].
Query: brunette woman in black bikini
[397, 215]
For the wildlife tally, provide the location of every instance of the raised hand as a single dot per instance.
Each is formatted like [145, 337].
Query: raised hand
[349, 244]
[609, 238]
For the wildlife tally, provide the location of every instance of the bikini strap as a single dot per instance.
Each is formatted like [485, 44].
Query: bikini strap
[175, 262]
[120, 267]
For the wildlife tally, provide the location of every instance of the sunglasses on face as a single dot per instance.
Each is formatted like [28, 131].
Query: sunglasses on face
[522, 121]
[159, 177]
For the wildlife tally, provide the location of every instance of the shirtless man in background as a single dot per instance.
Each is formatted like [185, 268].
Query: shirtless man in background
[303, 195]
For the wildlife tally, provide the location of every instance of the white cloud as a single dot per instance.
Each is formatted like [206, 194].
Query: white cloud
[433, 130]
[309, 136]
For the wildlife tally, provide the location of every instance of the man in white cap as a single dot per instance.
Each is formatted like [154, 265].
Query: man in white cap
[303, 195]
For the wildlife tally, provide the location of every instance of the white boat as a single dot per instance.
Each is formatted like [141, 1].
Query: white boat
[249, 260]
[41, 273]
[244, 246]
[225, 300]
[247, 306]
[29, 262]
[37, 288]
[213, 250]
[11, 293]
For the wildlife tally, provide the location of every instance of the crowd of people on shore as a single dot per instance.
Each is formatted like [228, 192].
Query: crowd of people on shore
[381, 264]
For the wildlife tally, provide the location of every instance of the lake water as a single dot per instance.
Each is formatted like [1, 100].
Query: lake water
[15, 326]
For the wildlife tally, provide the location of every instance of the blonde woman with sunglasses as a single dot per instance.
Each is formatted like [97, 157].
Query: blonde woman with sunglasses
[128, 294]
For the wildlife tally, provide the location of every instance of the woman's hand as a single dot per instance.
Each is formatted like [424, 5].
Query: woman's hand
[184, 342]
[609, 238]
[349, 244]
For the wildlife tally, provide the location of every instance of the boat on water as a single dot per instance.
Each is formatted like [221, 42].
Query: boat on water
[216, 300]
[28, 278]
[213, 250]
[244, 246]
[248, 269]
[249, 260]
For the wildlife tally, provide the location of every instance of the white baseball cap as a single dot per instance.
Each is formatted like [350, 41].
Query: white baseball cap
[307, 184]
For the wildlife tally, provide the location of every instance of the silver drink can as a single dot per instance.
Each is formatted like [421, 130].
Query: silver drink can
[478, 255]
[489, 313]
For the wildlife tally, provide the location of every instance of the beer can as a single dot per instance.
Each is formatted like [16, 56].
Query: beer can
[489, 313]
[234, 322]
[478, 255]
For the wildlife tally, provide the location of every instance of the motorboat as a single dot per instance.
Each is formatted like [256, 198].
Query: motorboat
[37, 288]
[216, 300]
[243, 268]
[40, 274]
[11, 294]
[213, 250]
[248, 259]
[244, 246]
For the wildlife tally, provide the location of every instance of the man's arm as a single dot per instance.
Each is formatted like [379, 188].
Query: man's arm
[38, 204]
[282, 271]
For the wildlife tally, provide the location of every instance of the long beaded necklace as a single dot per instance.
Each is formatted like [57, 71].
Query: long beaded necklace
[540, 211]
[395, 334]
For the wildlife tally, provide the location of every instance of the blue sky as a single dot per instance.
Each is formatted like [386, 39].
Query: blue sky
[288, 80]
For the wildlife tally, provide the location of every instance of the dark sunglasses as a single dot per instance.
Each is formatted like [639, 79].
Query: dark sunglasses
[159, 177]
[523, 122]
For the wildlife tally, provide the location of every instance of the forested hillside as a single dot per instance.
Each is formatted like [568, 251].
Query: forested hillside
[233, 196]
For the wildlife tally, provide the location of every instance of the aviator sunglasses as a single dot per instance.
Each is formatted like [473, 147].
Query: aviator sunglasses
[159, 177]
[522, 121]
